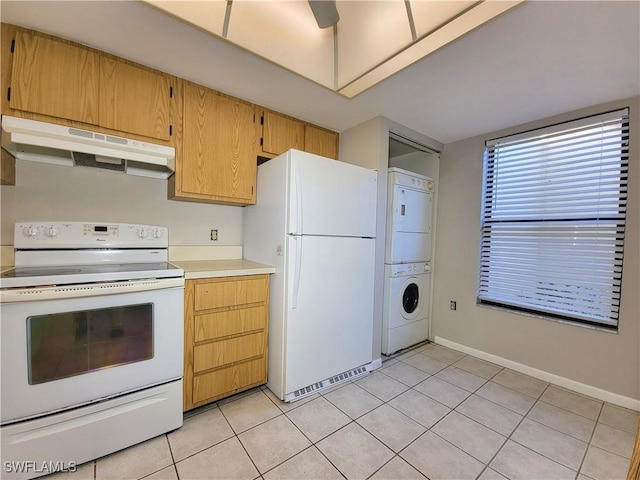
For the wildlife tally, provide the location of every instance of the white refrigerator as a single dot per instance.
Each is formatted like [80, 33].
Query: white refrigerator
[315, 220]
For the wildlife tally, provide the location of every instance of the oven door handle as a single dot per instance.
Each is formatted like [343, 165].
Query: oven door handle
[58, 292]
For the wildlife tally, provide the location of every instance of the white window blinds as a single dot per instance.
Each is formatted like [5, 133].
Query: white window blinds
[553, 220]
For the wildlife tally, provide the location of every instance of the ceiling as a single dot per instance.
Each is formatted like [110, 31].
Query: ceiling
[371, 41]
[539, 59]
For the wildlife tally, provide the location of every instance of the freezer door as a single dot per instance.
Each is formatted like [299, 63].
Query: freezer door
[329, 317]
[329, 197]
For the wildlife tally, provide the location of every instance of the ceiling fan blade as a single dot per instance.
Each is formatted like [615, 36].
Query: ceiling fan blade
[325, 12]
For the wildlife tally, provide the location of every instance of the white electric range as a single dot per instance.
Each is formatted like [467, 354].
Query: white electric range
[91, 332]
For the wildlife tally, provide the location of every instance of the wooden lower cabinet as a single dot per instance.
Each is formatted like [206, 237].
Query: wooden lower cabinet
[226, 328]
[228, 380]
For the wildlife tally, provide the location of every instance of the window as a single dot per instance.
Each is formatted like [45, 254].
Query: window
[553, 220]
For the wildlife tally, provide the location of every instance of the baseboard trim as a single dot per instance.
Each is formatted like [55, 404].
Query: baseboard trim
[583, 388]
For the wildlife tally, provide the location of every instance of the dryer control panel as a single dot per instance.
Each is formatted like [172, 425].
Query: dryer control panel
[405, 178]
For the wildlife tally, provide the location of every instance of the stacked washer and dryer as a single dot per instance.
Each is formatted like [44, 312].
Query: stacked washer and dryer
[407, 260]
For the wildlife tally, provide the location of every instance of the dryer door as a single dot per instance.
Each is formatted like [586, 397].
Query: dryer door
[409, 226]
[411, 210]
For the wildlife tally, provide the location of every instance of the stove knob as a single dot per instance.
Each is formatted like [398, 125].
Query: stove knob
[427, 268]
[157, 233]
[32, 231]
[142, 233]
[52, 232]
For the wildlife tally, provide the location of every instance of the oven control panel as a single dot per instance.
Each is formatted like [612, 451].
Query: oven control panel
[32, 235]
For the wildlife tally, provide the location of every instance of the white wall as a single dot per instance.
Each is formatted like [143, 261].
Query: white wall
[367, 145]
[51, 192]
[608, 361]
[419, 162]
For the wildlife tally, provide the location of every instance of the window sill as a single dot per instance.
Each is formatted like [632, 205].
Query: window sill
[541, 316]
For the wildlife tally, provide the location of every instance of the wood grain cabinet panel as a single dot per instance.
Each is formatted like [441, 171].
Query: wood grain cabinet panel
[281, 133]
[7, 168]
[226, 381]
[321, 142]
[218, 159]
[134, 99]
[209, 326]
[54, 78]
[230, 350]
[230, 293]
[225, 337]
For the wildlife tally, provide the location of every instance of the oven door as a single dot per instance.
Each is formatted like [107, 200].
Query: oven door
[61, 353]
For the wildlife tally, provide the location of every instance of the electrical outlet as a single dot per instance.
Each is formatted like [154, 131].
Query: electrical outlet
[214, 235]
[452, 305]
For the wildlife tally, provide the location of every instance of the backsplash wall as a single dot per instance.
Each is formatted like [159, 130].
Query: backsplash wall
[53, 193]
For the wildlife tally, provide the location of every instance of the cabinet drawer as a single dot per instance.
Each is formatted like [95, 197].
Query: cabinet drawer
[234, 292]
[231, 322]
[226, 381]
[216, 354]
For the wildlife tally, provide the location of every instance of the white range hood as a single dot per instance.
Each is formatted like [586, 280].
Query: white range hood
[45, 142]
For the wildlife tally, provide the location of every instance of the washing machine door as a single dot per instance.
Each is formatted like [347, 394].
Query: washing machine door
[411, 299]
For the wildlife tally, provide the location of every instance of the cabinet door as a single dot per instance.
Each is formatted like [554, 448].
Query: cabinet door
[321, 142]
[7, 168]
[280, 133]
[218, 154]
[225, 337]
[134, 99]
[54, 78]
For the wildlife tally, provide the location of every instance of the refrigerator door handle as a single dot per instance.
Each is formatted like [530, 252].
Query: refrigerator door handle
[299, 215]
[296, 272]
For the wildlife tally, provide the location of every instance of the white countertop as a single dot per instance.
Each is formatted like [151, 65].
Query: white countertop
[194, 269]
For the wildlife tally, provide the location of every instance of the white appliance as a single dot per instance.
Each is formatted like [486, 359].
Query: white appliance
[409, 216]
[92, 343]
[315, 219]
[49, 143]
[406, 320]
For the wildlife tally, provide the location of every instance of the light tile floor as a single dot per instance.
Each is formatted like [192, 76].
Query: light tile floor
[429, 413]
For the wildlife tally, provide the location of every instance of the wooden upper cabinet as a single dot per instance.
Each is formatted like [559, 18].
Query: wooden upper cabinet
[54, 78]
[321, 142]
[218, 160]
[59, 81]
[134, 99]
[7, 168]
[280, 133]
